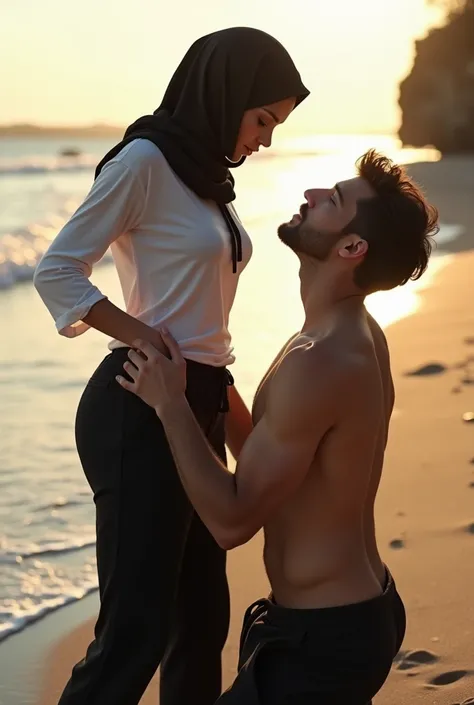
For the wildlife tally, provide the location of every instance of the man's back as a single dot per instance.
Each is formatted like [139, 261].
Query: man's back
[320, 547]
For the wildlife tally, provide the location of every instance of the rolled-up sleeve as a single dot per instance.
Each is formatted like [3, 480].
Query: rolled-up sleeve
[113, 206]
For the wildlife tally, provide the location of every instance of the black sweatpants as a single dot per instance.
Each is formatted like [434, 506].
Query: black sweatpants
[162, 577]
[331, 656]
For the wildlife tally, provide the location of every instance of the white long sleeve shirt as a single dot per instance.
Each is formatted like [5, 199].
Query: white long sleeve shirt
[171, 248]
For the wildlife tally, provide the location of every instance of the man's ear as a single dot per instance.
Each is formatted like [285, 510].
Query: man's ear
[352, 247]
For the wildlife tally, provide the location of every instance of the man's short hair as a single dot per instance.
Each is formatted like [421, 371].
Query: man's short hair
[398, 224]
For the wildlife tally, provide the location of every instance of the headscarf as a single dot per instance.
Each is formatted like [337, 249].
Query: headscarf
[196, 126]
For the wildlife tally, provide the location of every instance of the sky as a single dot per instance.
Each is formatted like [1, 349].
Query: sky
[78, 63]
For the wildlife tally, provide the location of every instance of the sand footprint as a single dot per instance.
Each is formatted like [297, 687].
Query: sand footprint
[447, 678]
[413, 659]
[463, 364]
[466, 367]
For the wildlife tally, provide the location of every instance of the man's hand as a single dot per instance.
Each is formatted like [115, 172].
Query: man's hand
[157, 380]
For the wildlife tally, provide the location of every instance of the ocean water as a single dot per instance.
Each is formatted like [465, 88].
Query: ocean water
[47, 554]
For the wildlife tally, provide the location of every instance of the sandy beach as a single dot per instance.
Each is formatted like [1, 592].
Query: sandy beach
[425, 509]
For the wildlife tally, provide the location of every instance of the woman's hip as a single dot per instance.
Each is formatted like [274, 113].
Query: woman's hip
[113, 424]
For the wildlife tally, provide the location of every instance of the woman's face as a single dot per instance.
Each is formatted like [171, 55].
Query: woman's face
[257, 127]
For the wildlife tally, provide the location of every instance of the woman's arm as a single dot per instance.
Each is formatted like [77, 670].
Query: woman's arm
[114, 322]
[113, 206]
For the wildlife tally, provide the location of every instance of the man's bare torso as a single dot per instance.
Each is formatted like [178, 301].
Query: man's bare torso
[320, 548]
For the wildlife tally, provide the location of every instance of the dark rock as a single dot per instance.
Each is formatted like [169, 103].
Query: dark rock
[433, 368]
[397, 543]
[437, 97]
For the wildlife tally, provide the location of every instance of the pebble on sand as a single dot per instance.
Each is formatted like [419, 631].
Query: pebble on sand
[433, 368]
[397, 543]
[468, 417]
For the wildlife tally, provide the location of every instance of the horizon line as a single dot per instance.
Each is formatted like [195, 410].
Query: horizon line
[39, 127]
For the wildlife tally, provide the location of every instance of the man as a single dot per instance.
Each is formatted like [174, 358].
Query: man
[309, 471]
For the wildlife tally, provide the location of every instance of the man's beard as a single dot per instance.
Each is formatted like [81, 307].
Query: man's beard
[303, 240]
[290, 235]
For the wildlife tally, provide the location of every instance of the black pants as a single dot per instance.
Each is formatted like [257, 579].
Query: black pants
[162, 577]
[333, 656]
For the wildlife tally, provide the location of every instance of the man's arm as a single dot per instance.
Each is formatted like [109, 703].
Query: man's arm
[238, 423]
[275, 458]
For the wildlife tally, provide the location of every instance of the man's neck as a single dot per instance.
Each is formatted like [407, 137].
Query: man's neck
[322, 294]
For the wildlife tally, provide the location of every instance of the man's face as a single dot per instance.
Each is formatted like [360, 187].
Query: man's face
[319, 225]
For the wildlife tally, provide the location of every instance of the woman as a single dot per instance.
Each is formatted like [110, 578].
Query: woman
[161, 201]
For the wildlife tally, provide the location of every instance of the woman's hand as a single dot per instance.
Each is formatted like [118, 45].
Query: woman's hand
[158, 380]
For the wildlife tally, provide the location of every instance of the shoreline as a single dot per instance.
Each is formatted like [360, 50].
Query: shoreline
[23, 654]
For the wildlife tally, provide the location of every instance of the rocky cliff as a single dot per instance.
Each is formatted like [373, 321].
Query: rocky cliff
[437, 97]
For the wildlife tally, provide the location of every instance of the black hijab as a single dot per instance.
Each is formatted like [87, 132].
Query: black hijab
[196, 126]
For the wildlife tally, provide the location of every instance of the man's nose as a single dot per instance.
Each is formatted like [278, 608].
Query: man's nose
[315, 195]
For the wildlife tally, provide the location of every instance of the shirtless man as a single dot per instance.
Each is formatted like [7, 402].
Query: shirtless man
[310, 458]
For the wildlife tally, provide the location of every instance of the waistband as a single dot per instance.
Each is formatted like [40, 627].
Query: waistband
[286, 617]
[196, 373]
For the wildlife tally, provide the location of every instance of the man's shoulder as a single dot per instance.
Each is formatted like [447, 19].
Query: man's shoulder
[323, 373]
[319, 361]
[309, 374]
